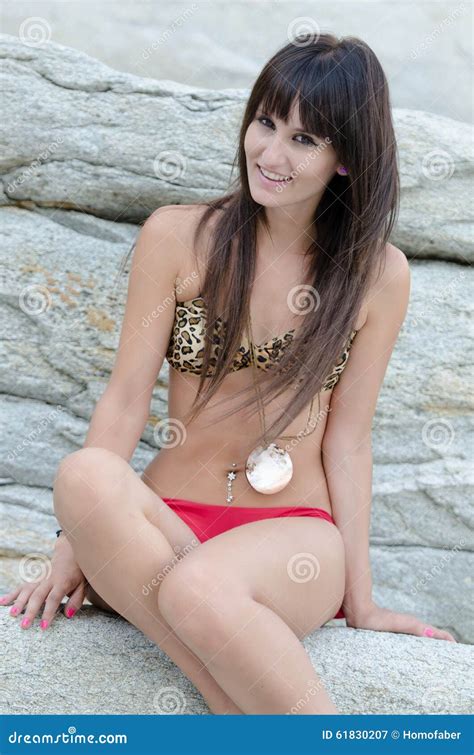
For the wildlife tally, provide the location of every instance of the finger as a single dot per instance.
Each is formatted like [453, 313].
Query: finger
[9, 596]
[408, 624]
[53, 601]
[21, 600]
[442, 634]
[437, 634]
[33, 605]
[75, 601]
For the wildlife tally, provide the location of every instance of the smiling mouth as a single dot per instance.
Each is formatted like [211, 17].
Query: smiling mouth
[275, 177]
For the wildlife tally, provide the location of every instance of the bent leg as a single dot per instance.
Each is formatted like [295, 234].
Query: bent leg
[106, 512]
[96, 600]
[244, 601]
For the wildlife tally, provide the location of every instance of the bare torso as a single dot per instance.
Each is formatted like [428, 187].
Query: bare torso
[197, 469]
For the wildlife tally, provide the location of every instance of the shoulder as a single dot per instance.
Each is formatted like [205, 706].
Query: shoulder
[177, 223]
[175, 220]
[172, 229]
[396, 261]
[390, 292]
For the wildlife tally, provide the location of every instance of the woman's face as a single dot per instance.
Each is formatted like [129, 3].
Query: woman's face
[300, 164]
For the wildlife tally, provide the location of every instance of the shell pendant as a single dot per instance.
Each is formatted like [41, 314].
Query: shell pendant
[269, 469]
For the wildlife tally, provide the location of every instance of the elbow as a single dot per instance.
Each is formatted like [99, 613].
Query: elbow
[347, 443]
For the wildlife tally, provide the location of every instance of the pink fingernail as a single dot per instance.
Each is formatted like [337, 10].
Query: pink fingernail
[44, 623]
[3, 600]
[428, 632]
[70, 612]
[14, 610]
[26, 622]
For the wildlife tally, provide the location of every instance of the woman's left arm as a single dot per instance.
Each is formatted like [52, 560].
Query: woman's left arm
[347, 447]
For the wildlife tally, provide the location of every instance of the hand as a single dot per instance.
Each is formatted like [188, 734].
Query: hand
[64, 578]
[383, 620]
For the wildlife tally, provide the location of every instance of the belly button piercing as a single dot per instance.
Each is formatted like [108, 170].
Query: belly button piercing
[231, 475]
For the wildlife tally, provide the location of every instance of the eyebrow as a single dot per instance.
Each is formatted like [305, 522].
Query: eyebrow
[296, 128]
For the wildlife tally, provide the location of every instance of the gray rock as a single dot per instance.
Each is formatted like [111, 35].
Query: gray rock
[227, 44]
[68, 221]
[55, 365]
[118, 670]
[101, 139]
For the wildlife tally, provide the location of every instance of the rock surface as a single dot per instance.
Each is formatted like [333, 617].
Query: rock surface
[227, 45]
[117, 146]
[118, 670]
[68, 220]
[61, 315]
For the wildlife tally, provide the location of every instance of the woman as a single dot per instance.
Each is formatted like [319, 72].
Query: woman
[234, 545]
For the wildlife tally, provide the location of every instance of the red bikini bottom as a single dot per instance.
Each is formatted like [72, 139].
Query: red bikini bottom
[208, 520]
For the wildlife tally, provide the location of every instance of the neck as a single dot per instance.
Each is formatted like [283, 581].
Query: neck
[286, 233]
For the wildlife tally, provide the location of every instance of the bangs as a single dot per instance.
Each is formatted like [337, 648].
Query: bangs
[318, 87]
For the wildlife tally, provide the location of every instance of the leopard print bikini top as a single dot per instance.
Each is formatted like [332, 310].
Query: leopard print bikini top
[186, 346]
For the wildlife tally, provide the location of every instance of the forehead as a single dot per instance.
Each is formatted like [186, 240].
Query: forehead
[292, 117]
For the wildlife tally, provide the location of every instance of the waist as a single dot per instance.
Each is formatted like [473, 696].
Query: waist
[177, 475]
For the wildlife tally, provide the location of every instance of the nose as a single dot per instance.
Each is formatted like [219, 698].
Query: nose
[273, 157]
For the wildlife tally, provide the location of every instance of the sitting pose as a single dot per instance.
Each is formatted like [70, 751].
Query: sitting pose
[277, 306]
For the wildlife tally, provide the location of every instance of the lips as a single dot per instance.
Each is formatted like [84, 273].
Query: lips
[273, 180]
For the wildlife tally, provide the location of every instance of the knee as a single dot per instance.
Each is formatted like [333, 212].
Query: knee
[79, 477]
[199, 603]
[183, 590]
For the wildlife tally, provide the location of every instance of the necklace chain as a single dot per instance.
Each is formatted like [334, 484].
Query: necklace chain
[231, 475]
[304, 433]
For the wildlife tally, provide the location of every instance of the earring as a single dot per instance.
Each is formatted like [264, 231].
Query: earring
[343, 172]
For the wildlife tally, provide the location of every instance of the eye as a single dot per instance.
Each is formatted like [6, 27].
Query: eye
[308, 139]
[263, 118]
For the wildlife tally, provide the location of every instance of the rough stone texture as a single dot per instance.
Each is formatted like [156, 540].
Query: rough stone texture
[65, 232]
[117, 146]
[118, 670]
[55, 365]
[426, 60]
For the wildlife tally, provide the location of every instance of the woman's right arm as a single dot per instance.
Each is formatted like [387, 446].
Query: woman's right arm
[121, 413]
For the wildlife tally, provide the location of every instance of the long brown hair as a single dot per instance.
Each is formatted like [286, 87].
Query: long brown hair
[342, 93]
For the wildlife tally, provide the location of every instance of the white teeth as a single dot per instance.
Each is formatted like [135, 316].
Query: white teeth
[274, 176]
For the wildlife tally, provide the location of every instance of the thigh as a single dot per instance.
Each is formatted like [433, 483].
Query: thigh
[99, 602]
[293, 565]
